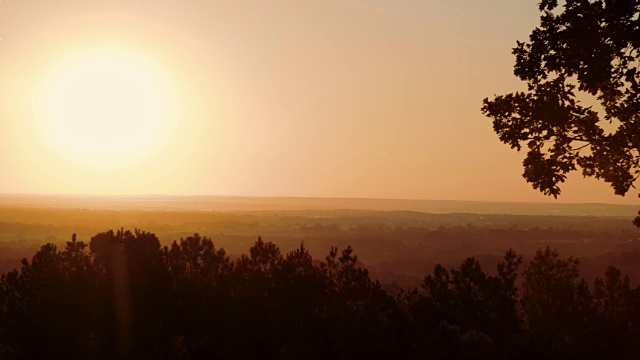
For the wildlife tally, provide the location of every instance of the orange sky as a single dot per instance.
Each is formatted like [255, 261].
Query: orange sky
[341, 98]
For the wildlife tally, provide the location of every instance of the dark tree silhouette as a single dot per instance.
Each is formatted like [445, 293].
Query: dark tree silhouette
[467, 309]
[360, 312]
[124, 296]
[618, 327]
[557, 305]
[586, 49]
[201, 283]
[134, 289]
[48, 303]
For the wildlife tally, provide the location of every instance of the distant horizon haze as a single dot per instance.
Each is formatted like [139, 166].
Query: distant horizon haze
[544, 200]
[225, 203]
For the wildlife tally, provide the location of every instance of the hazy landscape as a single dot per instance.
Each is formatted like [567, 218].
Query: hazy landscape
[398, 240]
[328, 179]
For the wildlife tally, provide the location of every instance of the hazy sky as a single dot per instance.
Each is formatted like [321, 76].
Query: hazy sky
[344, 98]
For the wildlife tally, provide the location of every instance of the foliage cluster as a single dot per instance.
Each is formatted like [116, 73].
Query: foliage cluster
[586, 48]
[583, 53]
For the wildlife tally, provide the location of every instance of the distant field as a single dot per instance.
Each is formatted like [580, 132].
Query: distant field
[239, 203]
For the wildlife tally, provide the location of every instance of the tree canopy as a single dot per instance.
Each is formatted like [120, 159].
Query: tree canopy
[123, 295]
[581, 109]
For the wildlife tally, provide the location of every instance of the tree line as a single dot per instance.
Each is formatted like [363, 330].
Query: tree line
[123, 295]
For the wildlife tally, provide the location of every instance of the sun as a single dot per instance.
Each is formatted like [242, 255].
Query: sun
[105, 107]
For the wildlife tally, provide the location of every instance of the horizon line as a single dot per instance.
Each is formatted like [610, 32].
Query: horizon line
[87, 195]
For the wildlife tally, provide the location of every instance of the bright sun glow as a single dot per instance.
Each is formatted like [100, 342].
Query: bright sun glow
[105, 107]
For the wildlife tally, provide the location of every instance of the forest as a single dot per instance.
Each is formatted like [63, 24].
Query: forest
[316, 283]
[124, 295]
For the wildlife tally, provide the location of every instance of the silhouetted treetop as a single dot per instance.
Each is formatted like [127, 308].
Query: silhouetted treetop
[584, 49]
